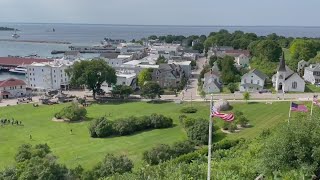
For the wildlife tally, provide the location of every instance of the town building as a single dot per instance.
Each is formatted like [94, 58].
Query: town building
[185, 65]
[48, 76]
[168, 75]
[242, 61]
[12, 88]
[125, 77]
[212, 82]
[285, 80]
[312, 74]
[301, 65]
[130, 47]
[253, 81]
[165, 49]
[71, 55]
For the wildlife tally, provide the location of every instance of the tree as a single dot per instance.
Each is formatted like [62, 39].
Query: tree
[144, 76]
[193, 64]
[203, 94]
[304, 49]
[246, 96]
[228, 70]
[92, 74]
[151, 90]
[267, 49]
[112, 164]
[232, 87]
[72, 112]
[212, 60]
[161, 60]
[121, 91]
[294, 146]
[199, 47]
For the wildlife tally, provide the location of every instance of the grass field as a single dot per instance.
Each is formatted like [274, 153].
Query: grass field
[79, 148]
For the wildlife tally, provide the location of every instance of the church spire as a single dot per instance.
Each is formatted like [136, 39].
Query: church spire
[282, 65]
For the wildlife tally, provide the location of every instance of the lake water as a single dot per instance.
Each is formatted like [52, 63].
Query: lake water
[88, 34]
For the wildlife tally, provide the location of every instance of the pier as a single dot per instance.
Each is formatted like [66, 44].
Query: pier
[34, 41]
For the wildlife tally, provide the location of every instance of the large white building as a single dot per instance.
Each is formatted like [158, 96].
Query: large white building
[48, 76]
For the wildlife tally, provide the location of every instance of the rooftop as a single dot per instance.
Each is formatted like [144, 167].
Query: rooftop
[16, 61]
[12, 82]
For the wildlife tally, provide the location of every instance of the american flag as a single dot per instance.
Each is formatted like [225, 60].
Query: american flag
[315, 100]
[224, 116]
[298, 107]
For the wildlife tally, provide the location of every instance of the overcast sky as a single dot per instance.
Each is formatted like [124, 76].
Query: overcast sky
[164, 12]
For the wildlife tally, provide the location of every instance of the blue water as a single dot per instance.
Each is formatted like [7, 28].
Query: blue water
[88, 34]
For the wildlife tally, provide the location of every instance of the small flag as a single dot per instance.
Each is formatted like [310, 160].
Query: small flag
[315, 100]
[224, 116]
[298, 107]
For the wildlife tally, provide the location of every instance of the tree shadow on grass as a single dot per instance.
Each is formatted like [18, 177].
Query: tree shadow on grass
[158, 102]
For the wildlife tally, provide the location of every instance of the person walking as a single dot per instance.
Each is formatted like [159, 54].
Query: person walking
[71, 131]
[30, 137]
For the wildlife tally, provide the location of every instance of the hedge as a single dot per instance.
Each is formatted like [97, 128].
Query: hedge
[102, 127]
[188, 110]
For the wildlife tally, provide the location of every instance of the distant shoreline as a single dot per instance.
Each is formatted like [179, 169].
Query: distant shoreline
[33, 41]
[8, 29]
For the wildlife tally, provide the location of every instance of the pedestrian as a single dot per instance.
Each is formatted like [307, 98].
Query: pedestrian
[20, 122]
[30, 137]
[71, 131]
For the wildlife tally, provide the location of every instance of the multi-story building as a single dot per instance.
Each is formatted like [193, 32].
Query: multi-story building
[312, 73]
[12, 88]
[48, 76]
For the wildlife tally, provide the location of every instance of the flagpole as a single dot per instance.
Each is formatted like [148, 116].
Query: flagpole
[210, 139]
[311, 107]
[290, 111]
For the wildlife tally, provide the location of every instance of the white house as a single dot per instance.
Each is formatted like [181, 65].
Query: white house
[128, 78]
[212, 83]
[312, 74]
[253, 81]
[301, 65]
[285, 80]
[242, 60]
[48, 76]
[12, 88]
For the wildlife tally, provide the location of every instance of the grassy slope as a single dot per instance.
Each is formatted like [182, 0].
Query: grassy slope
[81, 149]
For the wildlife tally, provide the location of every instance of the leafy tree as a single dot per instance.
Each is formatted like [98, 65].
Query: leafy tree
[203, 94]
[212, 60]
[267, 49]
[153, 37]
[232, 87]
[265, 66]
[161, 60]
[121, 91]
[193, 64]
[92, 74]
[151, 90]
[246, 96]
[228, 70]
[304, 49]
[294, 146]
[112, 164]
[199, 47]
[144, 76]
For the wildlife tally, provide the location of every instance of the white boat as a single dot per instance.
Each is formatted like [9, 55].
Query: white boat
[19, 70]
[15, 35]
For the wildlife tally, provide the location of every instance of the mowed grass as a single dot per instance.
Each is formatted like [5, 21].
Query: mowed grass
[80, 149]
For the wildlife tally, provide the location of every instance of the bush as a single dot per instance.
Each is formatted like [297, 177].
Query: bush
[230, 126]
[101, 127]
[198, 132]
[242, 121]
[111, 165]
[188, 122]
[73, 113]
[163, 152]
[182, 118]
[188, 110]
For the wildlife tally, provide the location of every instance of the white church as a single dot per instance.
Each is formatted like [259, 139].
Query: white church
[286, 80]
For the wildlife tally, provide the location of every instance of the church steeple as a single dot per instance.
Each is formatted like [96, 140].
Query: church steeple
[282, 65]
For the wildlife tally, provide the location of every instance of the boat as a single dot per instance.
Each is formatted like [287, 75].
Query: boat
[15, 35]
[19, 70]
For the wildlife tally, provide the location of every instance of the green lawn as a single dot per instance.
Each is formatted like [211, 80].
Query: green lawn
[312, 88]
[79, 148]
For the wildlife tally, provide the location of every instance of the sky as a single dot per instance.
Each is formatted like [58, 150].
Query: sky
[164, 12]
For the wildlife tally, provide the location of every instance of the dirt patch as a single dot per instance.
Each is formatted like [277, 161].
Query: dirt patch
[59, 120]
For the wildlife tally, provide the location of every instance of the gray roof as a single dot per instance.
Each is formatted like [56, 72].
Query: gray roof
[111, 55]
[258, 73]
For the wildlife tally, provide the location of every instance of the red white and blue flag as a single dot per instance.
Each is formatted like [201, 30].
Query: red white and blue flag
[299, 107]
[224, 116]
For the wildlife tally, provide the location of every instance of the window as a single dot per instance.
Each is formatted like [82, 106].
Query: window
[258, 82]
[20, 87]
[54, 76]
[251, 81]
[245, 80]
[55, 81]
[34, 79]
[42, 70]
[294, 85]
[30, 74]
[54, 71]
[30, 79]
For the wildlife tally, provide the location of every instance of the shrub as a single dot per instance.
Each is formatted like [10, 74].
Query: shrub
[188, 122]
[242, 121]
[163, 152]
[73, 112]
[198, 132]
[188, 110]
[101, 127]
[230, 126]
[182, 118]
[112, 164]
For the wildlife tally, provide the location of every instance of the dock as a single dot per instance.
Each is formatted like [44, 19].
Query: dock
[34, 41]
